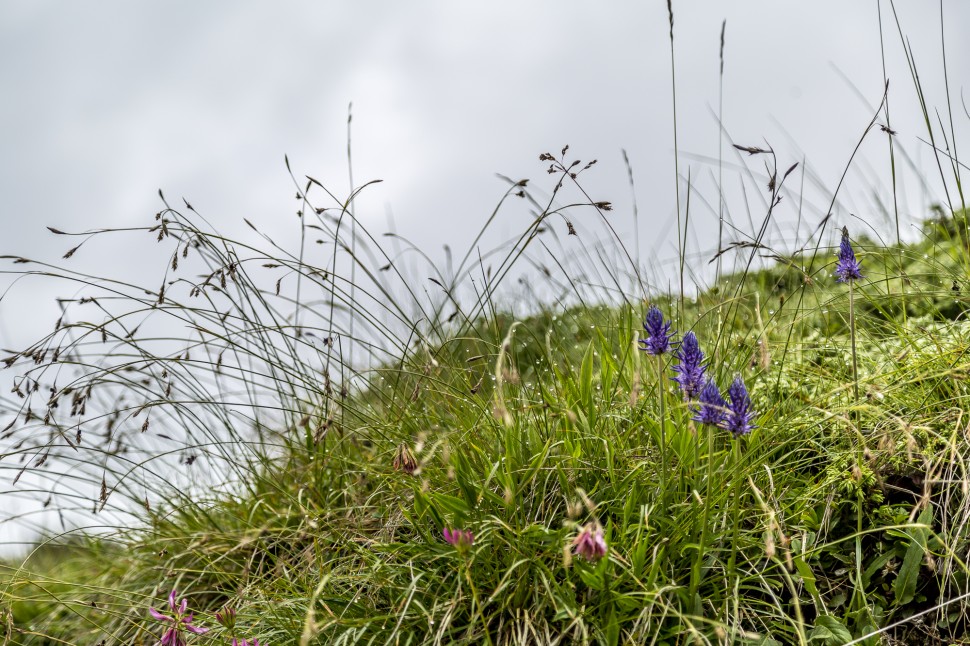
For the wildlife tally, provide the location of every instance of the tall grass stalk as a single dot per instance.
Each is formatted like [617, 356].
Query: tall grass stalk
[890, 141]
[681, 231]
[720, 156]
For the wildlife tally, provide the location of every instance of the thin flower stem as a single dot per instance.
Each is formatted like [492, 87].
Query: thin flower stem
[476, 604]
[695, 575]
[736, 503]
[859, 594]
[663, 425]
[855, 363]
[697, 449]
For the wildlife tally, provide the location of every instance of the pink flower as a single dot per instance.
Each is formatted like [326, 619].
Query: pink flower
[180, 620]
[589, 543]
[227, 617]
[462, 539]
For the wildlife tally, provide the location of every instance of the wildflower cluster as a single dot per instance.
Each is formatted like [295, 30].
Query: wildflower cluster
[734, 414]
[589, 543]
[181, 621]
[709, 408]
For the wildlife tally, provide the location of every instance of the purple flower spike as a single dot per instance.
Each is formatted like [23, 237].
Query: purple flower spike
[690, 370]
[712, 408]
[589, 543]
[180, 620]
[461, 539]
[847, 269]
[658, 332]
[245, 642]
[739, 413]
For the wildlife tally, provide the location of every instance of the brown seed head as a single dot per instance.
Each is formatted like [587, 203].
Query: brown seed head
[404, 460]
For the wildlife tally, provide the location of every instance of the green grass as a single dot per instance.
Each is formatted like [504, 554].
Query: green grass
[834, 517]
[240, 431]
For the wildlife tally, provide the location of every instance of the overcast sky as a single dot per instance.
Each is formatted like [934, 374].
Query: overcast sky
[104, 103]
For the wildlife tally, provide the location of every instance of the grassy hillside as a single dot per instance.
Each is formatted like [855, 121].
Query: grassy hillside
[835, 517]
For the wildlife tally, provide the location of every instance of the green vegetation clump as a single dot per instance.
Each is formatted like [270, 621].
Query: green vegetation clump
[530, 442]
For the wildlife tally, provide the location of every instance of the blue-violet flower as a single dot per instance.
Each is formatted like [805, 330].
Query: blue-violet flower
[658, 332]
[690, 370]
[739, 412]
[713, 408]
[847, 269]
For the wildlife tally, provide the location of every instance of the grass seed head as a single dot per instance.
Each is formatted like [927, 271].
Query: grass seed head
[404, 460]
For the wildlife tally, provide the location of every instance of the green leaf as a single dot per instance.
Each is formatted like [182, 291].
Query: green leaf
[904, 587]
[808, 580]
[638, 557]
[608, 367]
[762, 640]
[586, 380]
[875, 565]
[590, 576]
[830, 631]
[612, 629]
